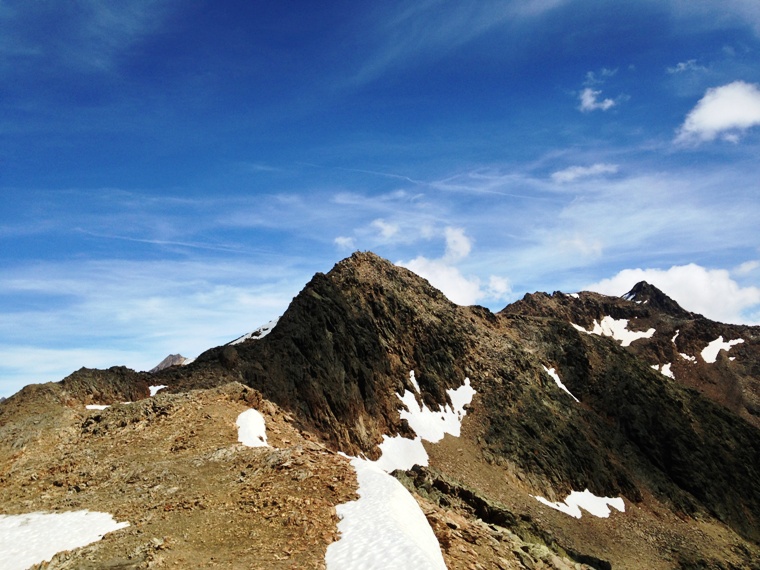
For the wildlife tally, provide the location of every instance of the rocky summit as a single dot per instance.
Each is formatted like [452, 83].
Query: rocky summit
[597, 432]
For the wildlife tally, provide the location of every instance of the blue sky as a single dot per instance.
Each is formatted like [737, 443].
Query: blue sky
[173, 173]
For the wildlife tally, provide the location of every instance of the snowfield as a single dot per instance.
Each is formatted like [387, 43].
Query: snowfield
[35, 537]
[384, 528]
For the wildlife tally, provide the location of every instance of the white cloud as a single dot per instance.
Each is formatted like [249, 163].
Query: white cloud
[683, 66]
[747, 267]
[590, 102]
[443, 275]
[710, 292]
[593, 78]
[498, 287]
[447, 278]
[573, 173]
[458, 245]
[587, 246]
[724, 111]
[344, 242]
[387, 230]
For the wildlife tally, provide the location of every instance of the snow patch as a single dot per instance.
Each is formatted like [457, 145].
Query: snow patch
[252, 429]
[675, 336]
[35, 537]
[617, 329]
[710, 352]
[384, 528]
[259, 333]
[575, 501]
[551, 372]
[665, 370]
[574, 295]
[154, 389]
[96, 406]
[687, 357]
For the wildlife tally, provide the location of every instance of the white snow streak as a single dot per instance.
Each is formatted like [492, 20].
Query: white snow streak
[617, 329]
[96, 406]
[252, 429]
[551, 372]
[35, 537]
[413, 380]
[154, 389]
[575, 501]
[710, 352]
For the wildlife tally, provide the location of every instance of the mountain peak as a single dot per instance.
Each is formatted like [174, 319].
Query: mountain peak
[171, 360]
[646, 293]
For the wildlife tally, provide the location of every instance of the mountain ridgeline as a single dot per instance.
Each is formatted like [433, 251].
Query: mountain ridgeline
[654, 419]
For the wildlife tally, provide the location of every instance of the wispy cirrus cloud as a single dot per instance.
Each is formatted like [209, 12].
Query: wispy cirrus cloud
[89, 37]
[432, 28]
[109, 312]
[573, 173]
[719, 14]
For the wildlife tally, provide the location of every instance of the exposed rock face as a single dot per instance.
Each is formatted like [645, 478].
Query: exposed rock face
[683, 451]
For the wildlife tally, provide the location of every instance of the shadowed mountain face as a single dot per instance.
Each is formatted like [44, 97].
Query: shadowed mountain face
[683, 437]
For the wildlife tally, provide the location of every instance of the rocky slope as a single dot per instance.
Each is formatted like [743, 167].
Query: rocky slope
[679, 444]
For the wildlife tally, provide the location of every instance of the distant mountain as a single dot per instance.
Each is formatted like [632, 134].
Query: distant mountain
[171, 360]
[612, 403]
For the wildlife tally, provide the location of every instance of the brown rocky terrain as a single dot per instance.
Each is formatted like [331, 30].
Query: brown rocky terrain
[682, 452]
